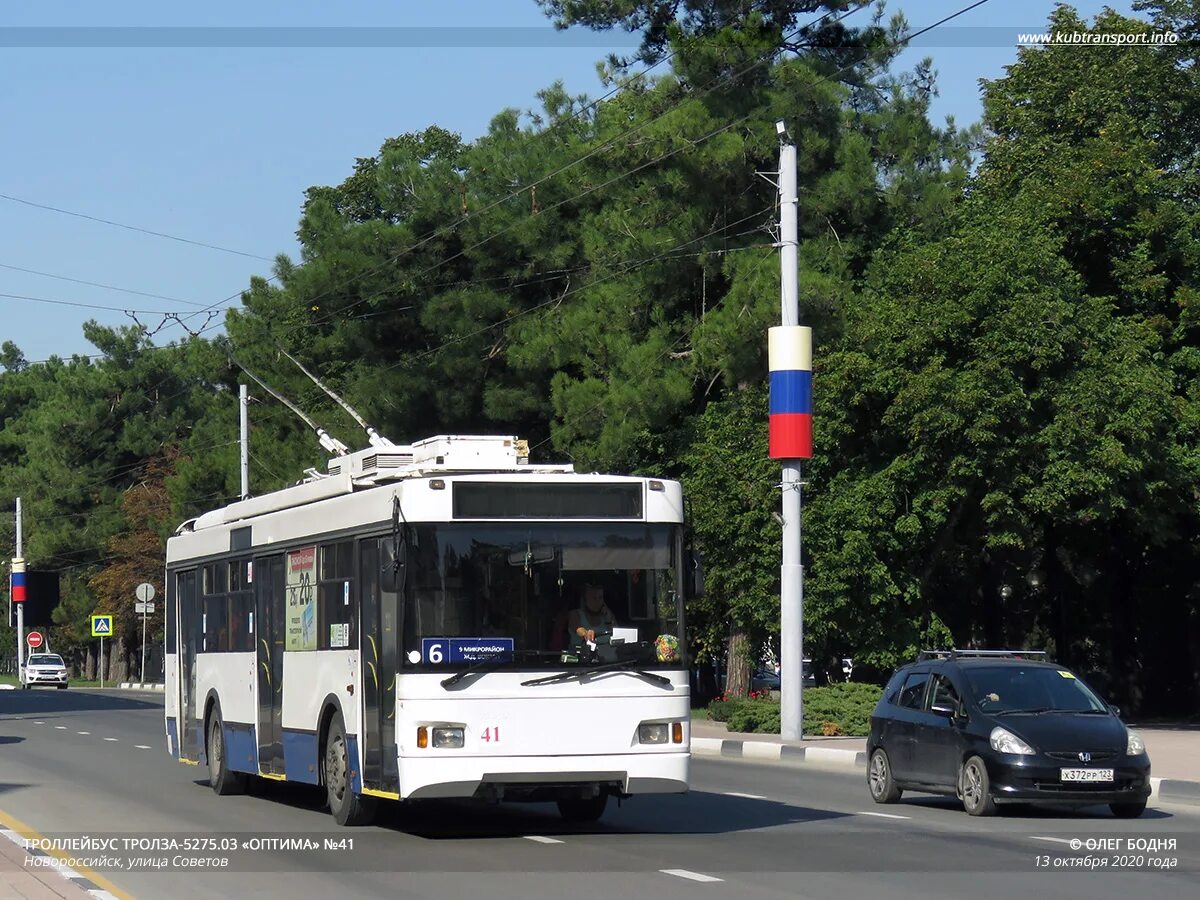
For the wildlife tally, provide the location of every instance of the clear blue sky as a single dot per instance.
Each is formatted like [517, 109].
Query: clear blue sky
[217, 144]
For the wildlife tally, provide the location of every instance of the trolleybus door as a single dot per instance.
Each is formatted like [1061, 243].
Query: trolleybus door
[189, 639]
[380, 646]
[269, 631]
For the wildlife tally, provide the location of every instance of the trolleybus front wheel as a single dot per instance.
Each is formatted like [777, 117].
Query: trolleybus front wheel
[348, 808]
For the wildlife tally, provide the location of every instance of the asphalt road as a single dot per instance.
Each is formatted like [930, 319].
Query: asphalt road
[90, 762]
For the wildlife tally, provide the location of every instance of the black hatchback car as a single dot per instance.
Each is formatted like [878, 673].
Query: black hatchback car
[996, 726]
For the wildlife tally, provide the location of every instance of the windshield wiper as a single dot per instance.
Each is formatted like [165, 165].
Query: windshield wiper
[495, 661]
[628, 665]
[1035, 711]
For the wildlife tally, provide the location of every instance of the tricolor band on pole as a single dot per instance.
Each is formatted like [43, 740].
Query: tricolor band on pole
[18, 581]
[790, 360]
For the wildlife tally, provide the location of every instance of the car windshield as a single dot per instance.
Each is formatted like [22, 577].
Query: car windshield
[1016, 688]
[521, 593]
[45, 659]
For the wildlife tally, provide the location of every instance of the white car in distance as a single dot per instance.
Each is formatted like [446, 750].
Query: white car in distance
[44, 668]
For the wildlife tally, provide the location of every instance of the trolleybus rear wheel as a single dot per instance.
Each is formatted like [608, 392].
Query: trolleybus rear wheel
[224, 781]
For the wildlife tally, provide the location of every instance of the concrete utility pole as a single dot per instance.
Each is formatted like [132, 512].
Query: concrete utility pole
[17, 585]
[790, 354]
[244, 403]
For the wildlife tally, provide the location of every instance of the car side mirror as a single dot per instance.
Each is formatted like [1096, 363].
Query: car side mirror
[1115, 710]
[946, 712]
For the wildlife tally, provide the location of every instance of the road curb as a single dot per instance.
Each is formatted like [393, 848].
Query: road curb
[135, 686]
[1163, 790]
[774, 751]
[1176, 790]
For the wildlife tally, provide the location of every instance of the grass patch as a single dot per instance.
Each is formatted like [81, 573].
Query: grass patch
[12, 679]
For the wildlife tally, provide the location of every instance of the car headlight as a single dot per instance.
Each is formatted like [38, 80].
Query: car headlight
[1136, 745]
[654, 733]
[1004, 741]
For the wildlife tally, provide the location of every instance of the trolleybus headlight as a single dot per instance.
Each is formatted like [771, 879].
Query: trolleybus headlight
[653, 733]
[447, 738]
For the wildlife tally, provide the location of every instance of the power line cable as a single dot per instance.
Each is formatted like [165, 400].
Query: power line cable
[107, 287]
[140, 230]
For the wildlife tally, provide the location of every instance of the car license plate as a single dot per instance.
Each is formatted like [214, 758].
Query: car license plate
[1087, 774]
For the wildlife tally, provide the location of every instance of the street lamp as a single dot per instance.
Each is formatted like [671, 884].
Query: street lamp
[1034, 579]
[1006, 591]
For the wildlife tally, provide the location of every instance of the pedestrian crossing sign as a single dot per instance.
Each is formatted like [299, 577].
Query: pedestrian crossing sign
[101, 626]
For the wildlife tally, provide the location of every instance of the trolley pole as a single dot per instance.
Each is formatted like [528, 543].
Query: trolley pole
[244, 421]
[790, 353]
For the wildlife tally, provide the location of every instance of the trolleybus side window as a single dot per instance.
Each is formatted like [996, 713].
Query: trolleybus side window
[336, 597]
[241, 606]
[215, 610]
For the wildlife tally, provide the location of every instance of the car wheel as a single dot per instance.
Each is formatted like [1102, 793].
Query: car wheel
[348, 808]
[222, 780]
[1128, 810]
[975, 788]
[580, 809]
[879, 778]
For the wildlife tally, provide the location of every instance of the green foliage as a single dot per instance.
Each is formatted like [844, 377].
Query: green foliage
[839, 709]
[1007, 369]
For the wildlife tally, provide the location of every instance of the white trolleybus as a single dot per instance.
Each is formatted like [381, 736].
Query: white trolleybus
[437, 620]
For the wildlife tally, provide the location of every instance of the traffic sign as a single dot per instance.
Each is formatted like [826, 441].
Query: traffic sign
[145, 592]
[102, 626]
[34, 639]
[142, 608]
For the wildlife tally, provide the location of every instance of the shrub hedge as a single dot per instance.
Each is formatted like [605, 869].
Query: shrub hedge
[839, 709]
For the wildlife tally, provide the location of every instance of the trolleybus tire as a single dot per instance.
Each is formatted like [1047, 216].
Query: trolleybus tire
[582, 809]
[223, 780]
[348, 808]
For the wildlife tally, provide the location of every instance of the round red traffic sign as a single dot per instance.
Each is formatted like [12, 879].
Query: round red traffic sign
[34, 639]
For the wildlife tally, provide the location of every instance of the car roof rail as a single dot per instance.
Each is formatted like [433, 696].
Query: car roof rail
[963, 654]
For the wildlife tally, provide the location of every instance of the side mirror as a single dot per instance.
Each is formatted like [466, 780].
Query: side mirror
[693, 582]
[946, 712]
[1115, 710]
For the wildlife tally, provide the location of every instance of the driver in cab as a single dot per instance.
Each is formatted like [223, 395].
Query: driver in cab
[593, 614]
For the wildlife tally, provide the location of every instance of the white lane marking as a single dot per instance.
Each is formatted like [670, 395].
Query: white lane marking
[530, 837]
[689, 875]
[1034, 837]
[39, 723]
[110, 739]
[744, 796]
[142, 746]
[83, 732]
[60, 727]
[882, 815]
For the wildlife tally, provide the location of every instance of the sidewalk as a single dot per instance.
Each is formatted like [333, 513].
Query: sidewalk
[1174, 753]
[17, 879]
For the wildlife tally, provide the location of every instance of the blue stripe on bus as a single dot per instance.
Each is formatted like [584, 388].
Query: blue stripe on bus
[356, 784]
[300, 756]
[241, 747]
